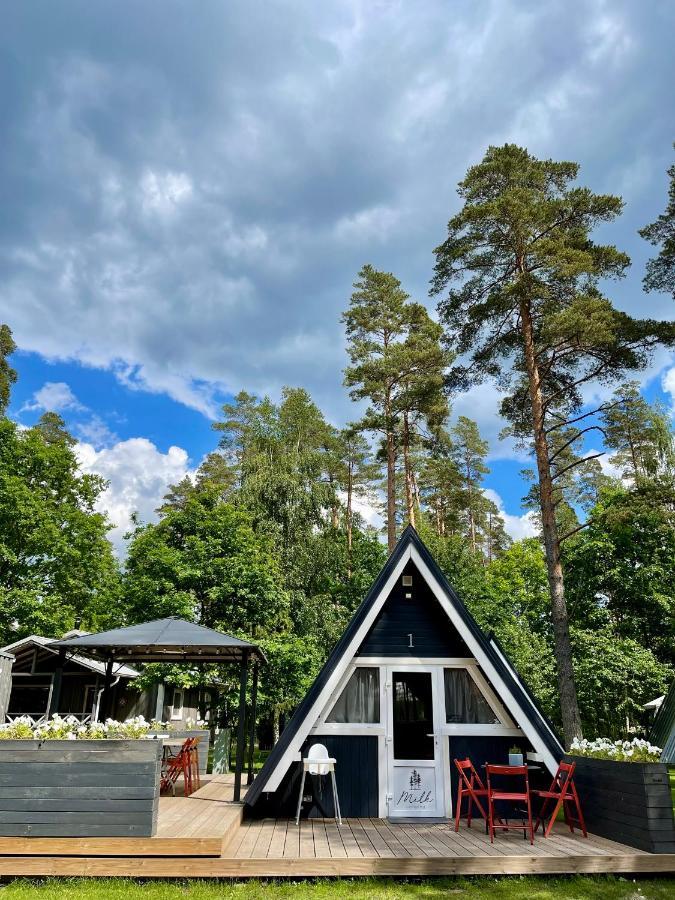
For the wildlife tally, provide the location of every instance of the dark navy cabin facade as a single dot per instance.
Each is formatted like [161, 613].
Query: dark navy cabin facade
[412, 684]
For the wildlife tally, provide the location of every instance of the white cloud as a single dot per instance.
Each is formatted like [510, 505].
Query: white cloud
[183, 207]
[95, 431]
[518, 527]
[54, 396]
[164, 192]
[138, 474]
[374, 224]
[668, 385]
[481, 404]
[367, 509]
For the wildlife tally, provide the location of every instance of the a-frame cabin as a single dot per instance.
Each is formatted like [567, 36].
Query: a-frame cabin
[412, 684]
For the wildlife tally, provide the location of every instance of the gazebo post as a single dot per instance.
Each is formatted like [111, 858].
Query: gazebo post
[241, 727]
[251, 738]
[103, 707]
[55, 695]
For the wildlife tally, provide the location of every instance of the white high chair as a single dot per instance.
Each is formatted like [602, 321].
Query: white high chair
[318, 762]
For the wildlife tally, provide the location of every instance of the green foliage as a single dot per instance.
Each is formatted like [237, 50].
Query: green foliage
[258, 546]
[621, 568]
[204, 562]
[639, 434]
[660, 274]
[615, 674]
[7, 373]
[523, 305]
[56, 564]
[398, 366]
[615, 677]
[279, 457]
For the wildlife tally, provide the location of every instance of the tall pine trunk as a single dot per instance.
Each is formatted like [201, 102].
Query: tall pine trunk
[409, 476]
[391, 475]
[350, 491]
[569, 706]
[472, 520]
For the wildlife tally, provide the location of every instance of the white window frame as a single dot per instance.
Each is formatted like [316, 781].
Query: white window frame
[505, 721]
[177, 711]
[351, 727]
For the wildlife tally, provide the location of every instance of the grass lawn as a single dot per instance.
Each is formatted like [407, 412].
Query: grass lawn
[554, 888]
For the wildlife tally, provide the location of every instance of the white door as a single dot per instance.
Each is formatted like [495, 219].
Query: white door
[415, 757]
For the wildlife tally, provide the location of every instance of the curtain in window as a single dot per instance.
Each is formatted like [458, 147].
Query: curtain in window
[360, 699]
[464, 703]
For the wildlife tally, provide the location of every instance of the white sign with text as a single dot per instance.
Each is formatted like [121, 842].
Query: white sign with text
[414, 790]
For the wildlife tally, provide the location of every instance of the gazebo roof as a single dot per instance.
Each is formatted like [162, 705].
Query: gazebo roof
[163, 640]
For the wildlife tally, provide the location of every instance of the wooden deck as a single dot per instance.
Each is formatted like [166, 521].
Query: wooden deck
[204, 836]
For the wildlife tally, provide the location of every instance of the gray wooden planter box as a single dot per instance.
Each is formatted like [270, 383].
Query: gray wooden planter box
[182, 734]
[627, 802]
[105, 788]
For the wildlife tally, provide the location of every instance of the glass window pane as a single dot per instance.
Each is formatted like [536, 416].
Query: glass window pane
[360, 699]
[464, 702]
[413, 715]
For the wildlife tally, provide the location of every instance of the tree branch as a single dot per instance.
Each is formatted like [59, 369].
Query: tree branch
[577, 462]
[565, 422]
[575, 530]
[573, 439]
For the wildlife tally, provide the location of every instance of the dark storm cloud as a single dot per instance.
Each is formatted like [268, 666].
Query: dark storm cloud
[190, 188]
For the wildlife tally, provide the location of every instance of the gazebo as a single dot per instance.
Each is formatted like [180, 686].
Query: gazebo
[171, 640]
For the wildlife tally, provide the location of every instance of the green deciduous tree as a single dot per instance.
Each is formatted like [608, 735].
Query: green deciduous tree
[57, 568]
[621, 569]
[204, 562]
[523, 301]
[639, 435]
[7, 373]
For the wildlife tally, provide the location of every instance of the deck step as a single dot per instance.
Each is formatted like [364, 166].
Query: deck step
[96, 847]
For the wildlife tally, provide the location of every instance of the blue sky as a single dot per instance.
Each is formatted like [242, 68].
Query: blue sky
[188, 191]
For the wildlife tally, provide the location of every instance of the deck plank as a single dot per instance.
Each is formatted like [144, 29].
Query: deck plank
[349, 840]
[626, 864]
[306, 839]
[292, 843]
[321, 846]
[335, 843]
[276, 848]
[362, 839]
[392, 839]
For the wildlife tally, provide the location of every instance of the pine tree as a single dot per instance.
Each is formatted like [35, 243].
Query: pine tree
[660, 274]
[469, 451]
[357, 472]
[524, 304]
[7, 373]
[397, 364]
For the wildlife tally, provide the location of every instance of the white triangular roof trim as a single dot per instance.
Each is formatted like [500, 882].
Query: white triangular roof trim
[514, 709]
[94, 665]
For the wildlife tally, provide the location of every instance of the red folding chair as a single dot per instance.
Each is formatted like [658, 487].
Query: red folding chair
[175, 766]
[195, 777]
[471, 786]
[512, 796]
[563, 793]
